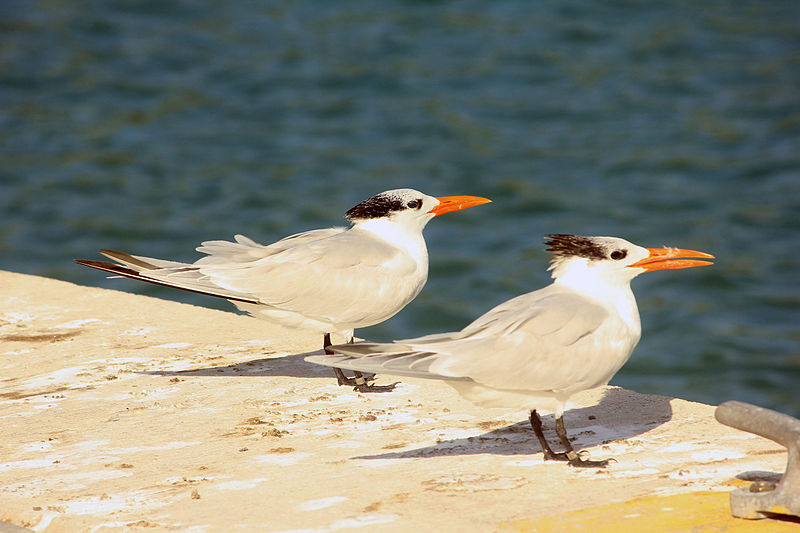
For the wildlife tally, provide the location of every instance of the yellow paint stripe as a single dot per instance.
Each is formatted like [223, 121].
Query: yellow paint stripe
[696, 512]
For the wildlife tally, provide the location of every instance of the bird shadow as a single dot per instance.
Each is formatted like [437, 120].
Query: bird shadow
[587, 426]
[619, 415]
[292, 365]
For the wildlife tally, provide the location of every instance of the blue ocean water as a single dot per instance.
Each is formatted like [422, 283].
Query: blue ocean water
[149, 126]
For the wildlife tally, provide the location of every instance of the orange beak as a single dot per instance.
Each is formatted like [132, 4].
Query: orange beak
[448, 204]
[664, 258]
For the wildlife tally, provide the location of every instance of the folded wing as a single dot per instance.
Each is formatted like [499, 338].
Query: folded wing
[538, 341]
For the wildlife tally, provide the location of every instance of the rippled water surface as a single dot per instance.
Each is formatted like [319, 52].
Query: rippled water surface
[150, 126]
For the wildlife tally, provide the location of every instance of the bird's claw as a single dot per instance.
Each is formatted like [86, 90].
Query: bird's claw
[371, 387]
[577, 462]
[575, 459]
[553, 456]
[356, 381]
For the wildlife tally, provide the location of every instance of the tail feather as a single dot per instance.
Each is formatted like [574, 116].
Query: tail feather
[142, 265]
[109, 267]
[371, 349]
[139, 263]
[412, 364]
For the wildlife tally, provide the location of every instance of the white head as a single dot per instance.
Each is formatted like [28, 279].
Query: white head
[409, 208]
[583, 261]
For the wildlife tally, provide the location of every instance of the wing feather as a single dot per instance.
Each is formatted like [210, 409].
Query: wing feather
[532, 342]
[334, 276]
[410, 364]
[352, 271]
[119, 270]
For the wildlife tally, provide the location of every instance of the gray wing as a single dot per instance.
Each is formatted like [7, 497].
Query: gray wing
[348, 276]
[245, 250]
[543, 341]
[411, 364]
[330, 274]
[532, 342]
[189, 276]
[142, 269]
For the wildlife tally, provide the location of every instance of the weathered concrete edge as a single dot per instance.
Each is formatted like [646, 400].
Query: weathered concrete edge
[289, 341]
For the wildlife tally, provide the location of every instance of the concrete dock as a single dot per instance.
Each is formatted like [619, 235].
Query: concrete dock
[120, 412]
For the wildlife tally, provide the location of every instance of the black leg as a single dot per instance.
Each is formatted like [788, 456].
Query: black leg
[572, 457]
[569, 454]
[549, 455]
[362, 384]
[358, 382]
[340, 377]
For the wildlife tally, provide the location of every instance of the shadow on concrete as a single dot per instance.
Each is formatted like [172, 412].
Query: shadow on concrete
[292, 365]
[620, 415]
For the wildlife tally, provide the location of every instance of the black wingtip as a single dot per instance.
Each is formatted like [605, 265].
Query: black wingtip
[107, 267]
[91, 263]
[119, 270]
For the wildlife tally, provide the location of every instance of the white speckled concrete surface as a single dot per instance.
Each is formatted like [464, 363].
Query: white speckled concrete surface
[122, 412]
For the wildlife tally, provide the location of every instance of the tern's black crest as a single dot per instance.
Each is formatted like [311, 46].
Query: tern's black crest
[378, 206]
[575, 246]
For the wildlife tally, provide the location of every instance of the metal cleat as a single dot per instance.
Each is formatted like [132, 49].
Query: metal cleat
[762, 499]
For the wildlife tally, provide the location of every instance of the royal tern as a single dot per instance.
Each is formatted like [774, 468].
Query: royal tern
[536, 350]
[327, 280]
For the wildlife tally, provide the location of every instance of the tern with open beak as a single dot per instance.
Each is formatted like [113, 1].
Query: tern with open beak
[328, 280]
[536, 350]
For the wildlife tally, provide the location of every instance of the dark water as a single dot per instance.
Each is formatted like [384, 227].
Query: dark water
[150, 126]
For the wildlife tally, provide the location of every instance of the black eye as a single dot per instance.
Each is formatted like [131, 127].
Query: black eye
[414, 204]
[616, 255]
